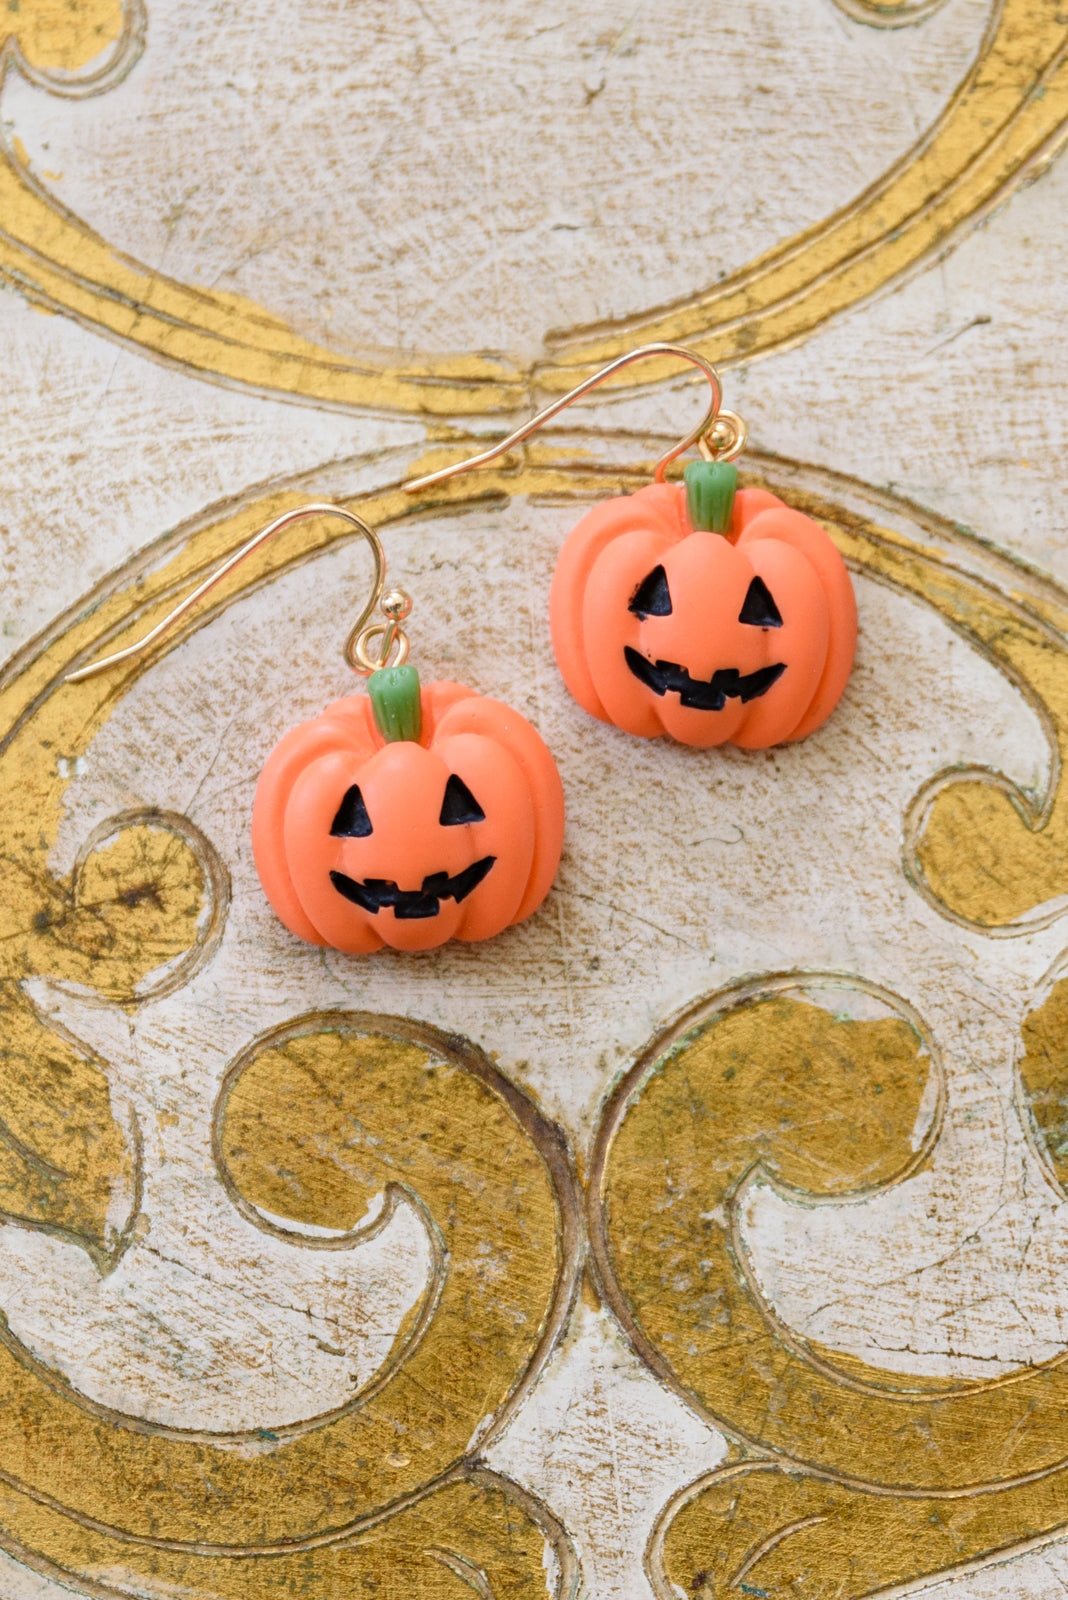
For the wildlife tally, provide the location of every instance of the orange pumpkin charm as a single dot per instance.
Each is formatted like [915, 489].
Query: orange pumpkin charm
[407, 817]
[711, 615]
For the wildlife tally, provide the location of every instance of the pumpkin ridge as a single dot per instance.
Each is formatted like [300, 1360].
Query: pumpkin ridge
[696, 669]
[403, 869]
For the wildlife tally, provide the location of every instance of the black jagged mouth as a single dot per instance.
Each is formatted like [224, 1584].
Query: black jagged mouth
[379, 894]
[702, 694]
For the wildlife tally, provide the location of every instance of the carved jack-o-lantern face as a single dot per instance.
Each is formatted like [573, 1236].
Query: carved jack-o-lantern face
[661, 626]
[459, 808]
[363, 840]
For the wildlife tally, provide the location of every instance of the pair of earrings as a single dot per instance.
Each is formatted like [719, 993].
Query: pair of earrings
[419, 813]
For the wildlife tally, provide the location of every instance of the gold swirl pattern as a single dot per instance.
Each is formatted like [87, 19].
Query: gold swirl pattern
[313, 1121]
[879, 1479]
[852, 1479]
[72, 49]
[311, 1502]
[889, 13]
[1005, 120]
[764, 1528]
[1043, 1081]
[385, 1488]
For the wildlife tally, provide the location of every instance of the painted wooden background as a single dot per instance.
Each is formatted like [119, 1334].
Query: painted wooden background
[705, 1235]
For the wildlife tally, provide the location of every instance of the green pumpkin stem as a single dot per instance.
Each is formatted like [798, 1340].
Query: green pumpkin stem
[710, 490]
[396, 703]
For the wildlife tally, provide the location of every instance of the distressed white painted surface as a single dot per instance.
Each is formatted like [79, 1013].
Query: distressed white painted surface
[453, 147]
[735, 898]
[102, 450]
[207, 1322]
[594, 1414]
[716, 887]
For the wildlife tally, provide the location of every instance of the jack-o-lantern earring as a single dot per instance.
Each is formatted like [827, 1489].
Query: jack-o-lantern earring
[711, 613]
[410, 815]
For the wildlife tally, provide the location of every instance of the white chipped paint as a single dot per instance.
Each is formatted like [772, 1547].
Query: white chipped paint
[596, 1409]
[417, 175]
[102, 450]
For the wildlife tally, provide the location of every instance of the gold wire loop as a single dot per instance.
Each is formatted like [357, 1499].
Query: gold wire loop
[725, 439]
[356, 657]
[396, 605]
[369, 660]
[645, 350]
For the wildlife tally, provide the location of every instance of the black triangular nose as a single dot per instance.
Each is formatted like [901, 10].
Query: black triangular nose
[758, 608]
[652, 597]
[459, 804]
[352, 821]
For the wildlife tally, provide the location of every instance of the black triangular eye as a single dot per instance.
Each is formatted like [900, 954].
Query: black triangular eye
[352, 821]
[652, 597]
[758, 608]
[459, 805]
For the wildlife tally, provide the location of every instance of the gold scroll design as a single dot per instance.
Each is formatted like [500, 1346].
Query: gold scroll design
[985, 851]
[391, 1483]
[73, 48]
[889, 13]
[313, 1121]
[155, 870]
[1005, 120]
[846, 1479]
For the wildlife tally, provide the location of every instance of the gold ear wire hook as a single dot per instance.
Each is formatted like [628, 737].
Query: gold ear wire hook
[725, 451]
[396, 606]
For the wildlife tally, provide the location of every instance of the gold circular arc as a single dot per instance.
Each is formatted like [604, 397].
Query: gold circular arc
[1005, 120]
[1014, 616]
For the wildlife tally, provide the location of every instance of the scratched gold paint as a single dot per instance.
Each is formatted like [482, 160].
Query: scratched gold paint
[51, 35]
[315, 1121]
[820, 1105]
[982, 853]
[1043, 1079]
[135, 904]
[1008, 116]
[764, 1085]
[63, 1158]
[817, 1407]
[792, 1536]
[136, 901]
[469, 1534]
